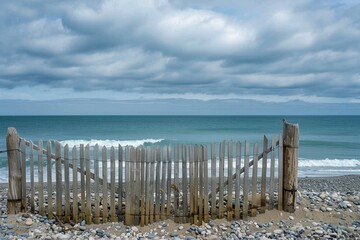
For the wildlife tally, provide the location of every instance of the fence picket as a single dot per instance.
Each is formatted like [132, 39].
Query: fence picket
[142, 186]
[58, 180]
[147, 186]
[192, 185]
[112, 184]
[176, 186]
[32, 180]
[230, 185]
[82, 181]
[67, 184]
[206, 185]
[132, 189]
[96, 183]
[137, 185]
[201, 185]
[272, 174]
[152, 176]
[221, 179]
[254, 200]
[157, 184]
[120, 181]
[88, 185]
[49, 180]
[40, 179]
[104, 186]
[280, 173]
[163, 181]
[168, 184]
[263, 178]
[246, 181]
[75, 185]
[184, 185]
[237, 181]
[196, 183]
[23, 173]
[213, 181]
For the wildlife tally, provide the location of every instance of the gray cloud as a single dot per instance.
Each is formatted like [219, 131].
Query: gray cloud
[177, 47]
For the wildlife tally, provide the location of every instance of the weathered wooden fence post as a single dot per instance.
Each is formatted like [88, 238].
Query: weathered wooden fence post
[13, 154]
[291, 144]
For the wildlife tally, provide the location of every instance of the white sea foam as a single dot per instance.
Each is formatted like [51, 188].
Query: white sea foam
[109, 143]
[340, 163]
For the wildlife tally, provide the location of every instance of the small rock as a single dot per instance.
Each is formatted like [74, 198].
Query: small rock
[174, 234]
[134, 229]
[291, 218]
[278, 231]
[29, 222]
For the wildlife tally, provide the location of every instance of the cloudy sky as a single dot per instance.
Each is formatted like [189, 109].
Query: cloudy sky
[179, 57]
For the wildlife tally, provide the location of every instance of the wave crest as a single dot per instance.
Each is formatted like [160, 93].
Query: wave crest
[109, 143]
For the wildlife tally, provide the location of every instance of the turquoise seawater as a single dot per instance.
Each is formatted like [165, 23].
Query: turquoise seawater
[329, 145]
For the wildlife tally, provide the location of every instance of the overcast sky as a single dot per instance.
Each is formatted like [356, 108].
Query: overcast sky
[179, 57]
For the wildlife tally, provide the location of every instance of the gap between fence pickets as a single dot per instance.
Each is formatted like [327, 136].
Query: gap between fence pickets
[92, 175]
[260, 156]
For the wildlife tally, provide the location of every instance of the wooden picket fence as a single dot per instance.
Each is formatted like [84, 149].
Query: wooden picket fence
[142, 185]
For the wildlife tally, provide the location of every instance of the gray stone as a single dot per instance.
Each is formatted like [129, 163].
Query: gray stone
[174, 234]
[278, 231]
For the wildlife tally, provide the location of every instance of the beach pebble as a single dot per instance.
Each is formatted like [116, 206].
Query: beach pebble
[278, 231]
[291, 218]
[29, 222]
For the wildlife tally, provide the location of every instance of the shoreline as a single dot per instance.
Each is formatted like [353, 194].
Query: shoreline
[327, 207]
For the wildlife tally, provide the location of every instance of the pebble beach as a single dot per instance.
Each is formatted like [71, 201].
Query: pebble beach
[327, 208]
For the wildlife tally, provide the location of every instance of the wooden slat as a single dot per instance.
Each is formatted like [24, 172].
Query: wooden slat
[75, 186]
[143, 182]
[152, 182]
[263, 178]
[128, 187]
[32, 174]
[104, 188]
[120, 181]
[213, 181]
[221, 179]
[280, 173]
[163, 181]
[112, 182]
[176, 182]
[254, 202]
[147, 186]
[191, 184]
[237, 181]
[196, 183]
[88, 185]
[246, 181]
[168, 184]
[40, 180]
[201, 185]
[59, 211]
[96, 185]
[230, 185]
[49, 180]
[23, 173]
[184, 184]
[67, 184]
[206, 185]
[132, 189]
[137, 186]
[157, 185]
[82, 181]
[272, 174]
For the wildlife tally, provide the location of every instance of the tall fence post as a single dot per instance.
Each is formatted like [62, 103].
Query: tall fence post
[13, 154]
[291, 144]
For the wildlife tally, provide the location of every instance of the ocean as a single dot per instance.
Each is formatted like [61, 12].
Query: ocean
[329, 145]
